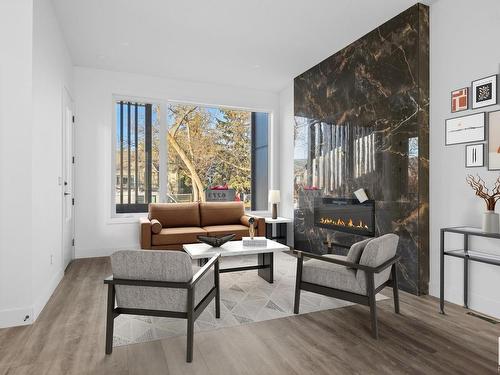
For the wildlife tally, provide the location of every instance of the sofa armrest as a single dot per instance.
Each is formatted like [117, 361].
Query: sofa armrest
[145, 232]
[260, 224]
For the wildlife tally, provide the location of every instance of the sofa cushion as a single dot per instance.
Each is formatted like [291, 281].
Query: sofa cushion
[221, 213]
[155, 226]
[222, 230]
[180, 235]
[172, 215]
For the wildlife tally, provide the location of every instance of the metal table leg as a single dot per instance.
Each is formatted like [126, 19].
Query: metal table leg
[441, 273]
[267, 260]
[466, 271]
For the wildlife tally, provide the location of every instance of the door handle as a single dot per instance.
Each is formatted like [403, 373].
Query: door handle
[65, 193]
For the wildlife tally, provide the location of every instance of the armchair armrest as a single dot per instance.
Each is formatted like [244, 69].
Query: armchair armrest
[150, 283]
[383, 266]
[145, 232]
[203, 270]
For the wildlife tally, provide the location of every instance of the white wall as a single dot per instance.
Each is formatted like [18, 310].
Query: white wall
[52, 74]
[34, 68]
[15, 160]
[286, 154]
[464, 47]
[97, 234]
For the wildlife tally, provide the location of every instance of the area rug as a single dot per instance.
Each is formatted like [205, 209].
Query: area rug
[245, 298]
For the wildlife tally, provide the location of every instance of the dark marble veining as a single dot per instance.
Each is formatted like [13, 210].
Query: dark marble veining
[362, 121]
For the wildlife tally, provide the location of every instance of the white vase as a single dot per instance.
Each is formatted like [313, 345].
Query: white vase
[491, 222]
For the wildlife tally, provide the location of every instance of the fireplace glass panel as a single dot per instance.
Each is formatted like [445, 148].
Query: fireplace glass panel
[346, 215]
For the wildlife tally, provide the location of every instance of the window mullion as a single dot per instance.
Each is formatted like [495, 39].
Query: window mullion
[149, 152]
[163, 153]
[136, 178]
[121, 152]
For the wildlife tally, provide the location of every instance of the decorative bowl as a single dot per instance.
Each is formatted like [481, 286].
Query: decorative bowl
[215, 241]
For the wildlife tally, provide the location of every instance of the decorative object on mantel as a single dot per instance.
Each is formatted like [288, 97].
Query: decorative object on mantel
[216, 241]
[474, 155]
[360, 194]
[490, 218]
[484, 92]
[274, 199]
[494, 141]
[460, 100]
[465, 129]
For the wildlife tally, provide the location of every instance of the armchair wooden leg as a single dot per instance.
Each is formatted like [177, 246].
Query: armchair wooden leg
[373, 303]
[217, 290]
[298, 279]
[190, 326]
[395, 287]
[110, 321]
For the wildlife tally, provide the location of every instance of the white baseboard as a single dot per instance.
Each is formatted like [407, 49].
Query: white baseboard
[16, 317]
[479, 303]
[42, 300]
[94, 253]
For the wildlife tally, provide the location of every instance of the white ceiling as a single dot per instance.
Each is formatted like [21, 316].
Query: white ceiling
[260, 44]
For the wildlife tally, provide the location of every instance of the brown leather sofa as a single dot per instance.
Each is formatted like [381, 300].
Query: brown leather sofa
[170, 225]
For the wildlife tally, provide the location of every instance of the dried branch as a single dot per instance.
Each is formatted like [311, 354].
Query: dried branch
[479, 186]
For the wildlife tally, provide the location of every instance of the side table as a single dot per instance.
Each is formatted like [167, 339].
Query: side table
[276, 229]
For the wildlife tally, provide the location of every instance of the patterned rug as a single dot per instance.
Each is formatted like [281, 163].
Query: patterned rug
[245, 298]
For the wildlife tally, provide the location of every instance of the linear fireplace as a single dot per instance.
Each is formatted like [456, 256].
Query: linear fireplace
[346, 215]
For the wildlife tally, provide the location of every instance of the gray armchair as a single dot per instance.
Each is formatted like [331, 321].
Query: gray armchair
[357, 277]
[160, 283]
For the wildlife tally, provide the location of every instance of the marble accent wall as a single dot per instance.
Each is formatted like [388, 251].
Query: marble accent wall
[362, 121]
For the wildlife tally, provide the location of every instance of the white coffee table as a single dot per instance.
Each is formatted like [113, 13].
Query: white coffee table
[265, 255]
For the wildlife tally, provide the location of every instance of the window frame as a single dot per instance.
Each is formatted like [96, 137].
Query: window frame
[128, 217]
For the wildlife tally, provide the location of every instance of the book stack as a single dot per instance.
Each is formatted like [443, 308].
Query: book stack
[256, 241]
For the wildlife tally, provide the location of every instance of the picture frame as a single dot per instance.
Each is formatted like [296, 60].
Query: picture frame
[484, 92]
[474, 155]
[494, 140]
[460, 100]
[465, 129]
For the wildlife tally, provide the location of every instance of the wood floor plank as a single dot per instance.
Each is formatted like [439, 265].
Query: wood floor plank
[68, 338]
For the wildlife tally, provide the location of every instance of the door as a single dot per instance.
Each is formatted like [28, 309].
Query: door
[67, 180]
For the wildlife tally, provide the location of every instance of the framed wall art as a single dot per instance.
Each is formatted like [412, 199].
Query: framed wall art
[460, 100]
[465, 129]
[474, 155]
[494, 141]
[484, 92]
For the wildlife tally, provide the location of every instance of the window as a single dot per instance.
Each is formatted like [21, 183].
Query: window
[136, 156]
[203, 148]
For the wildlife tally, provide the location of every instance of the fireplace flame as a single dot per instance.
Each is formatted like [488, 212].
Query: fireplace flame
[343, 223]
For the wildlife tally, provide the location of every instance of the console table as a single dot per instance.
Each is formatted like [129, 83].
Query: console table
[467, 255]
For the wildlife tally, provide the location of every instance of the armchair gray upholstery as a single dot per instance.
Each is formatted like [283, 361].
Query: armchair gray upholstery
[376, 252]
[162, 265]
[160, 283]
[371, 252]
[357, 277]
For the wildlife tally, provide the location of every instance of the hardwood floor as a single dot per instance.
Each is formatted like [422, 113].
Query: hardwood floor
[68, 338]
